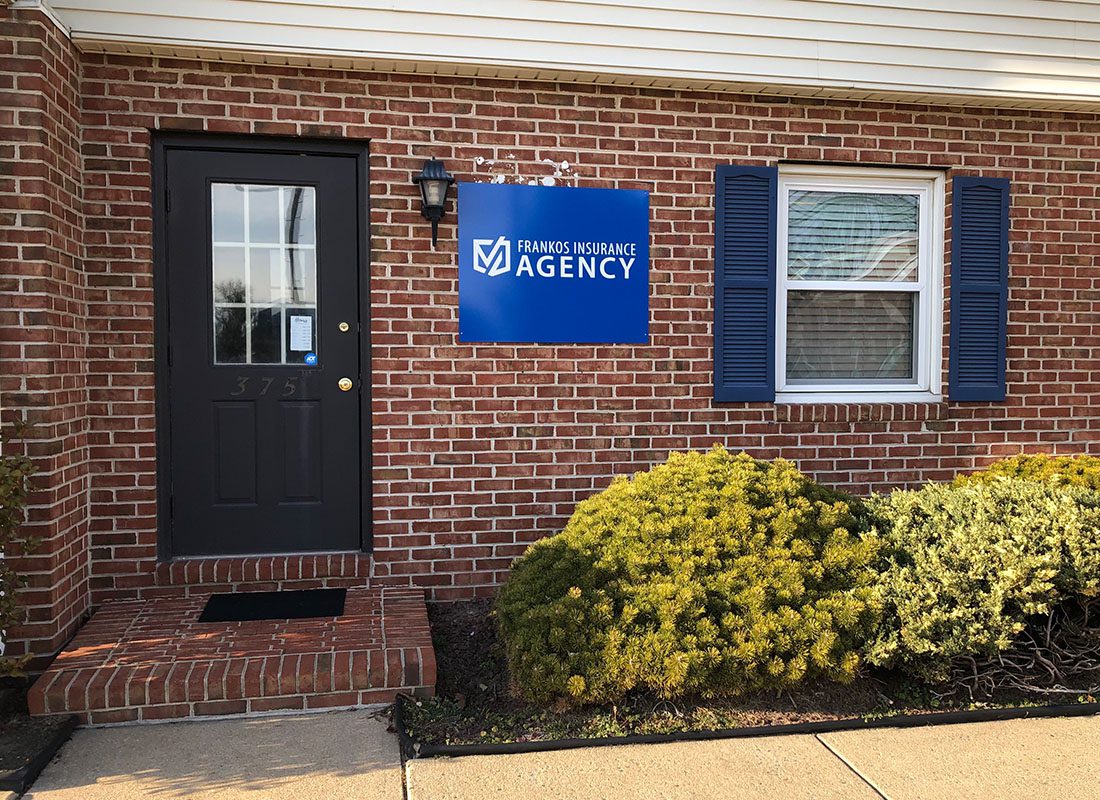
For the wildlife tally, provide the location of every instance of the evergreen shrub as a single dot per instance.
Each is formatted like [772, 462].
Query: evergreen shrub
[968, 564]
[15, 473]
[710, 574]
[1080, 470]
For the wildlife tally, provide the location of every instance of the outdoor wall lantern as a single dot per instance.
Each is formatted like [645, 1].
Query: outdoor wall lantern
[434, 183]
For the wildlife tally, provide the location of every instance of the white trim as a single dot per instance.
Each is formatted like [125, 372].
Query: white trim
[44, 7]
[928, 186]
[794, 398]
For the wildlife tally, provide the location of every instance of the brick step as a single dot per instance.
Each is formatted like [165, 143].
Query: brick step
[153, 660]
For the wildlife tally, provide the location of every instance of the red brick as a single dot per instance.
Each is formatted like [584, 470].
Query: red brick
[276, 703]
[173, 711]
[113, 716]
[477, 450]
[152, 659]
[216, 707]
[333, 700]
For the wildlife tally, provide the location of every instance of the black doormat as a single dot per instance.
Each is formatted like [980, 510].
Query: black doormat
[247, 606]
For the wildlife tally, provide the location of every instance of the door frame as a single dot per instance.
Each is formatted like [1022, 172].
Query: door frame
[162, 143]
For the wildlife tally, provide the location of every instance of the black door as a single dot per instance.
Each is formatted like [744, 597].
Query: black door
[262, 255]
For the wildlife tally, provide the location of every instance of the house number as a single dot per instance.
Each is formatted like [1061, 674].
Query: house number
[289, 387]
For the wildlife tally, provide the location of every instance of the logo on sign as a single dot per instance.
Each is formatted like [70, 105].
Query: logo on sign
[493, 257]
[555, 259]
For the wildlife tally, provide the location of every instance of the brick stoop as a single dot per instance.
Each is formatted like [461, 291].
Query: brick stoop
[153, 660]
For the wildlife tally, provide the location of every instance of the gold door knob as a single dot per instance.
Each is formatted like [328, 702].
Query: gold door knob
[344, 327]
[345, 384]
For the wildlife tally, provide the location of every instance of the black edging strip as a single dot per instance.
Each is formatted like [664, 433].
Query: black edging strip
[397, 725]
[19, 780]
[408, 747]
[414, 749]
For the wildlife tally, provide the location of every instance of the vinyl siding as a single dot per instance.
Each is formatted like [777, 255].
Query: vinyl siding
[1006, 52]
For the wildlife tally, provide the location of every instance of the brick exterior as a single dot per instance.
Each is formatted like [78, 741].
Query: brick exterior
[152, 660]
[479, 450]
[44, 316]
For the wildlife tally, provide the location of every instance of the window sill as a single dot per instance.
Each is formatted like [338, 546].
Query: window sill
[814, 408]
[855, 398]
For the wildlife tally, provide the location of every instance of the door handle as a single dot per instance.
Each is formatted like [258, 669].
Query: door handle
[345, 384]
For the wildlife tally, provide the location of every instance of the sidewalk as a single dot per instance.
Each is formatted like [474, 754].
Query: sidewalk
[349, 755]
[342, 754]
[1041, 759]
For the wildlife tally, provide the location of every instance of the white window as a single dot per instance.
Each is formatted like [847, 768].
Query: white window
[859, 285]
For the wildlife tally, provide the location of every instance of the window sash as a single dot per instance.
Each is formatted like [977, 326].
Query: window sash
[928, 310]
[840, 232]
[821, 337]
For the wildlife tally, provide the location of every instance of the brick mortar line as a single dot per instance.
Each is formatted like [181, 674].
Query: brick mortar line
[665, 138]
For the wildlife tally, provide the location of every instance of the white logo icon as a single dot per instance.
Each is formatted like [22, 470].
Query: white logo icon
[493, 257]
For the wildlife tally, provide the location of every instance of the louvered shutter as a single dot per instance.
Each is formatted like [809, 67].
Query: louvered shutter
[979, 288]
[744, 283]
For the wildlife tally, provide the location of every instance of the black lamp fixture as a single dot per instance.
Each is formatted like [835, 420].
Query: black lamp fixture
[434, 181]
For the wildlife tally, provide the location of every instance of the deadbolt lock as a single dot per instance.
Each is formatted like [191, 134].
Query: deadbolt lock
[344, 384]
[344, 327]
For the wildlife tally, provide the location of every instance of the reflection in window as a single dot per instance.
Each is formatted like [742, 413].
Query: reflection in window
[264, 262]
[852, 236]
[229, 335]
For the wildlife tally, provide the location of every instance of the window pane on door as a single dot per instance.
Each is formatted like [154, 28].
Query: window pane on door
[300, 275]
[852, 236]
[229, 335]
[850, 336]
[263, 214]
[300, 215]
[227, 210]
[265, 275]
[301, 332]
[229, 274]
[265, 261]
[267, 324]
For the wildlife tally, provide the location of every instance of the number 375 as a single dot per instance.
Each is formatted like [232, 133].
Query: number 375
[290, 386]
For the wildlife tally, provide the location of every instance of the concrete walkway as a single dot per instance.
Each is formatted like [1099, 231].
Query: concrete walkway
[350, 755]
[342, 754]
[1042, 759]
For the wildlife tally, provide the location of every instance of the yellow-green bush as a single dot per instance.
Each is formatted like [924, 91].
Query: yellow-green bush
[1081, 470]
[968, 564]
[15, 474]
[711, 574]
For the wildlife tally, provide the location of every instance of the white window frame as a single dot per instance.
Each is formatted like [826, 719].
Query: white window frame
[929, 286]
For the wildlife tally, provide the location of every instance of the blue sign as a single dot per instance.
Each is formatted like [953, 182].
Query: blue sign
[311, 359]
[552, 264]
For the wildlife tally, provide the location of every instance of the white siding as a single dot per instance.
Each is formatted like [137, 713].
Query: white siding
[1042, 53]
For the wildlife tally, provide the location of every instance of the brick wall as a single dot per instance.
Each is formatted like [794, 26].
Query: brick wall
[43, 315]
[479, 450]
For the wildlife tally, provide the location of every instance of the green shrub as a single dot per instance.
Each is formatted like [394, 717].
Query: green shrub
[968, 564]
[1081, 470]
[710, 574]
[15, 472]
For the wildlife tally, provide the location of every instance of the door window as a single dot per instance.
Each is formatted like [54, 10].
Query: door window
[265, 273]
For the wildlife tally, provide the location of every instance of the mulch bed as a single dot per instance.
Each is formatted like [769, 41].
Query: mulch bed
[26, 743]
[476, 705]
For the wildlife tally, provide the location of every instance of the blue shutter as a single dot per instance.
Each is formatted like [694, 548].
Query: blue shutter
[744, 283]
[979, 288]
